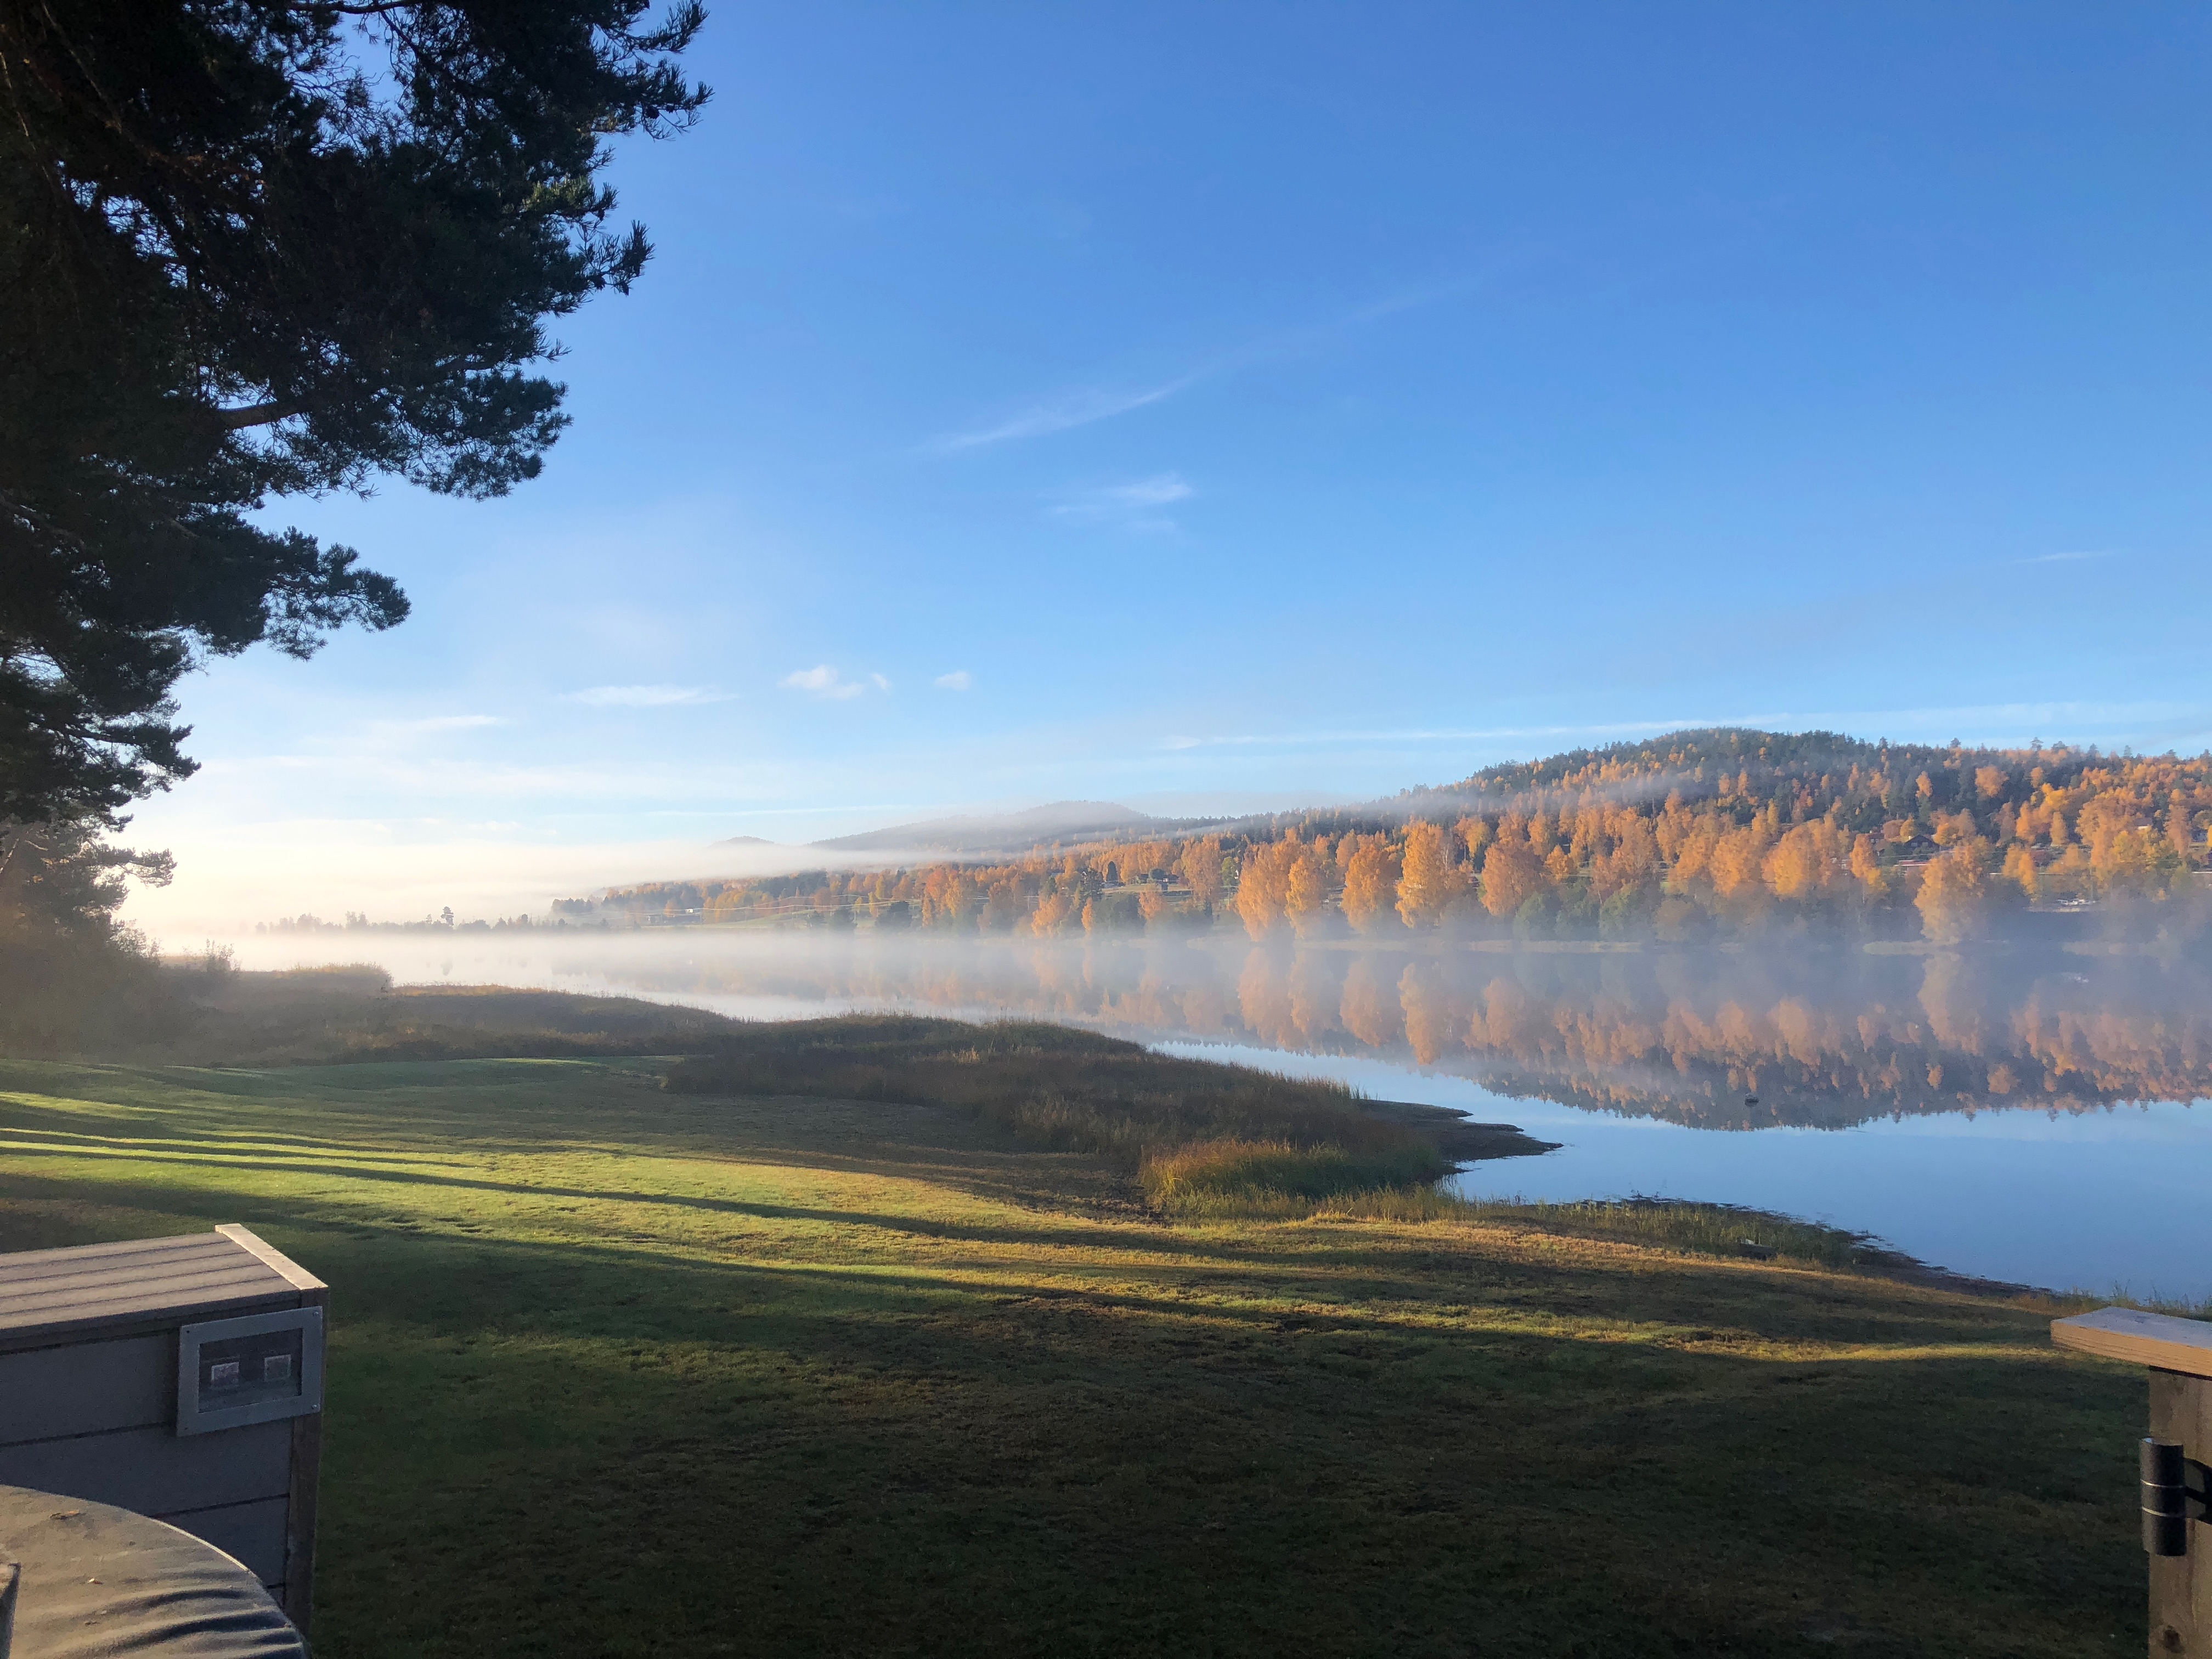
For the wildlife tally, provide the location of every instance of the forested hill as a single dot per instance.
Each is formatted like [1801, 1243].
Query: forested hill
[1725, 830]
[1699, 764]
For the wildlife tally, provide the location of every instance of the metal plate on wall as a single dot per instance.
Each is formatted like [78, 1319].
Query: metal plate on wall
[233, 1372]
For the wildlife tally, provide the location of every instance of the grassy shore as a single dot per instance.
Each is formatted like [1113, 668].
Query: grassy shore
[620, 1371]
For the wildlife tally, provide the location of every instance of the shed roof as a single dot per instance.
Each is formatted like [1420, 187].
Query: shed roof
[99, 1290]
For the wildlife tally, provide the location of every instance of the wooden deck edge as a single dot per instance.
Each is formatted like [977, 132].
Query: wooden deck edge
[2159, 1340]
[269, 1256]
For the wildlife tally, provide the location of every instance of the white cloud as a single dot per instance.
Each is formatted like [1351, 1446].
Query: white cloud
[1076, 409]
[882, 684]
[1134, 505]
[958, 680]
[440, 723]
[824, 681]
[647, 697]
[2064, 558]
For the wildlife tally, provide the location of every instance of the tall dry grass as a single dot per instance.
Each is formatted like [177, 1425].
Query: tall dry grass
[1056, 1086]
[1217, 1177]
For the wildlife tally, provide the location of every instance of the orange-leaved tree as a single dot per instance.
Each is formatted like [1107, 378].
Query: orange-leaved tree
[1201, 868]
[1866, 867]
[1305, 890]
[1954, 897]
[1431, 885]
[1511, 876]
[1370, 882]
[1263, 885]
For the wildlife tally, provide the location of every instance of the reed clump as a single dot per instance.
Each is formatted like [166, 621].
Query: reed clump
[1073, 1090]
[1267, 1177]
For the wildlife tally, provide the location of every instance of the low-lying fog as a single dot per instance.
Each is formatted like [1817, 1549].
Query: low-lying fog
[2021, 1117]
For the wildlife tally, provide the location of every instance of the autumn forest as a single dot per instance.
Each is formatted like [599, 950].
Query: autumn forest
[1700, 835]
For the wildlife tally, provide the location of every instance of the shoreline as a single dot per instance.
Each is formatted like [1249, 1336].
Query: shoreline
[1469, 1143]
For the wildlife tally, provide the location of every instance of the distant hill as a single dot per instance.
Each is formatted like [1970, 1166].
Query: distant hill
[748, 841]
[1014, 832]
[1690, 835]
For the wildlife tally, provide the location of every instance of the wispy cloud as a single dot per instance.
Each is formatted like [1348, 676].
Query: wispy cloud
[647, 697]
[441, 723]
[1429, 294]
[1075, 409]
[1418, 735]
[2067, 558]
[824, 681]
[1083, 406]
[958, 680]
[1135, 506]
[2070, 721]
[412, 737]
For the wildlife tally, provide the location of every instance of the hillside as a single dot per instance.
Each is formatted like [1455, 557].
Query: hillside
[1697, 833]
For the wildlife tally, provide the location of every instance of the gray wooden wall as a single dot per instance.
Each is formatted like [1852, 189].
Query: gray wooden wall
[96, 1420]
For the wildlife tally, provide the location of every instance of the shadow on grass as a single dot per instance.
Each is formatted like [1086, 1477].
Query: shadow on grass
[760, 1459]
[1687, 1304]
[1236, 1441]
[509, 1121]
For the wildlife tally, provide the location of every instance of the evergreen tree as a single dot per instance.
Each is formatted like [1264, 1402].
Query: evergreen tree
[255, 248]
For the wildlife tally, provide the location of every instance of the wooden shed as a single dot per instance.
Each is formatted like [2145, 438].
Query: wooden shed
[179, 1378]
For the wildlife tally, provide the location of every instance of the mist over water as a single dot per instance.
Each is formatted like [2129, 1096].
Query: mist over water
[2021, 1116]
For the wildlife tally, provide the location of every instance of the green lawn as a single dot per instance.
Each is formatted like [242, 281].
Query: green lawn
[615, 1370]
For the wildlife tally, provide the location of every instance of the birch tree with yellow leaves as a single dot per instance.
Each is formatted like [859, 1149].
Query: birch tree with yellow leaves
[1432, 886]
[1370, 882]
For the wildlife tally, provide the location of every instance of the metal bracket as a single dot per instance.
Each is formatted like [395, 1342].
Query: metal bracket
[2175, 1489]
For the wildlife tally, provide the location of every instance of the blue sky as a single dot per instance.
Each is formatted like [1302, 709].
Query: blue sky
[1236, 405]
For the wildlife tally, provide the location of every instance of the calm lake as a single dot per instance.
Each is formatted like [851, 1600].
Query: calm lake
[2021, 1117]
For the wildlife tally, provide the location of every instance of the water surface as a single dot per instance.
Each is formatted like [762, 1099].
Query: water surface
[2020, 1117]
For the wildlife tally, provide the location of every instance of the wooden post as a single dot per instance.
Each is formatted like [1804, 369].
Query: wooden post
[2179, 1353]
[2181, 1585]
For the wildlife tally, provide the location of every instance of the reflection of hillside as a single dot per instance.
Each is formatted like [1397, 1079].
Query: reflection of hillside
[1825, 1039]
[1690, 1039]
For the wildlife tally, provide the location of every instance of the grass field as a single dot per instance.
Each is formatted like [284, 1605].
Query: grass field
[616, 1370]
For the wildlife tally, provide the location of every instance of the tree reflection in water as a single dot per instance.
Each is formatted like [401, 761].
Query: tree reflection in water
[1820, 1036]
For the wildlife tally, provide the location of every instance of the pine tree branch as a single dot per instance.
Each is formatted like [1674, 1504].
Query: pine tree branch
[236, 419]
